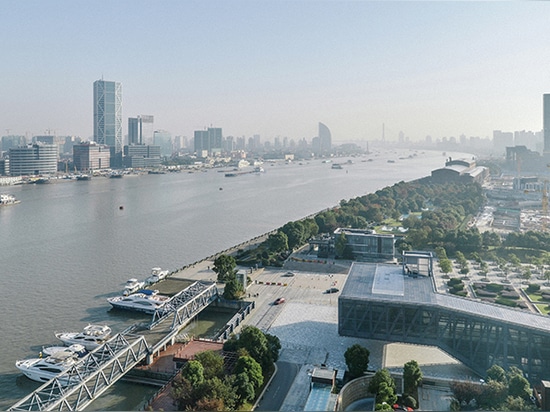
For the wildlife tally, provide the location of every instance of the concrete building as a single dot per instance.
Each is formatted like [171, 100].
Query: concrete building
[208, 142]
[108, 118]
[90, 156]
[33, 159]
[140, 130]
[460, 171]
[546, 123]
[163, 139]
[141, 156]
[367, 245]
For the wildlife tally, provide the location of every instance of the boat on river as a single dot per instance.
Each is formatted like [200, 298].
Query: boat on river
[91, 336]
[44, 369]
[7, 199]
[76, 349]
[132, 286]
[146, 301]
[157, 274]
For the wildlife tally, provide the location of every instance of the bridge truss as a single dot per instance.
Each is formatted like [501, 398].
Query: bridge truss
[77, 387]
[186, 304]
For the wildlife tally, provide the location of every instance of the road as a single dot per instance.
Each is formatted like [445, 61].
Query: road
[280, 385]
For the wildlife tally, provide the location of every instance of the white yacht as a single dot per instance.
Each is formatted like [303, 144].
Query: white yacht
[91, 336]
[147, 301]
[157, 274]
[76, 349]
[44, 369]
[132, 285]
[6, 199]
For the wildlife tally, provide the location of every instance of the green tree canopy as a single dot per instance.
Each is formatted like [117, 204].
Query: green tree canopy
[412, 376]
[357, 360]
[193, 371]
[212, 363]
[252, 369]
[278, 242]
[224, 266]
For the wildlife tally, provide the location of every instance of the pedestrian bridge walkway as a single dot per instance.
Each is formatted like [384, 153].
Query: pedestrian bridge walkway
[85, 381]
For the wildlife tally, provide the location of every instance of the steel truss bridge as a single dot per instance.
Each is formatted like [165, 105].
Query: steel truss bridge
[477, 334]
[77, 387]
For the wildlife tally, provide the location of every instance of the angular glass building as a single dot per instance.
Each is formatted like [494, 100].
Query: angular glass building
[108, 116]
[381, 302]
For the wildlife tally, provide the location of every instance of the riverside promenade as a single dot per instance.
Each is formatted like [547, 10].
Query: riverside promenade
[307, 326]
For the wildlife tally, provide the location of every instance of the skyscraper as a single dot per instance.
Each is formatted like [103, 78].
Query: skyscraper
[108, 117]
[325, 138]
[546, 123]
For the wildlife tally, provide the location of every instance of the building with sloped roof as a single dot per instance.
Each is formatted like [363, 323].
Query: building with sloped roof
[380, 302]
[460, 171]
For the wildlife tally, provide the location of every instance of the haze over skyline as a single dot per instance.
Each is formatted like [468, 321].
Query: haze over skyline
[277, 68]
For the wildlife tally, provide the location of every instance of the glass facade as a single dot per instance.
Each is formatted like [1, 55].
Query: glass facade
[108, 114]
[36, 159]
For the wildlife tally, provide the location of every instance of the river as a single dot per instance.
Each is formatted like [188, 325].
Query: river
[69, 245]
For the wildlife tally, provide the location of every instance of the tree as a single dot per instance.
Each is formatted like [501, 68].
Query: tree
[412, 376]
[518, 386]
[340, 245]
[446, 265]
[233, 289]
[224, 266]
[257, 345]
[193, 371]
[212, 363]
[244, 388]
[217, 392]
[252, 369]
[274, 346]
[357, 360]
[381, 376]
[496, 373]
[278, 242]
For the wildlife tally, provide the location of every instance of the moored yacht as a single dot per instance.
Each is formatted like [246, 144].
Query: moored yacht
[131, 286]
[77, 350]
[147, 301]
[157, 274]
[91, 336]
[44, 369]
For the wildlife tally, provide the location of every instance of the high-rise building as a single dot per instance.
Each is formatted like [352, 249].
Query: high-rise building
[163, 139]
[546, 123]
[108, 118]
[140, 130]
[325, 138]
[35, 159]
[208, 141]
[91, 156]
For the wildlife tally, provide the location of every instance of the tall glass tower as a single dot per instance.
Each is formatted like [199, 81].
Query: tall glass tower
[108, 116]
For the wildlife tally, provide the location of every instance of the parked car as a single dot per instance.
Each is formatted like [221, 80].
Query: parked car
[278, 301]
[332, 290]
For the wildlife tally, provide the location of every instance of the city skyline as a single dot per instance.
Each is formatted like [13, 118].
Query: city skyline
[278, 68]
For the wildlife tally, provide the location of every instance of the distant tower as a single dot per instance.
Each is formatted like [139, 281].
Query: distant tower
[108, 117]
[546, 123]
[325, 138]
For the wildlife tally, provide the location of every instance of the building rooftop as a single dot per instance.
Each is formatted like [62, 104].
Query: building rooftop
[385, 282]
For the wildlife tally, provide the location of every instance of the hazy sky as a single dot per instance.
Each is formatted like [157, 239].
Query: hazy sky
[277, 68]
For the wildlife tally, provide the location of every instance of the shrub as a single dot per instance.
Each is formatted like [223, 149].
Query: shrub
[494, 287]
[533, 288]
[454, 281]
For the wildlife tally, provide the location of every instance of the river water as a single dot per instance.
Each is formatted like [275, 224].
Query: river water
[69, 245]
